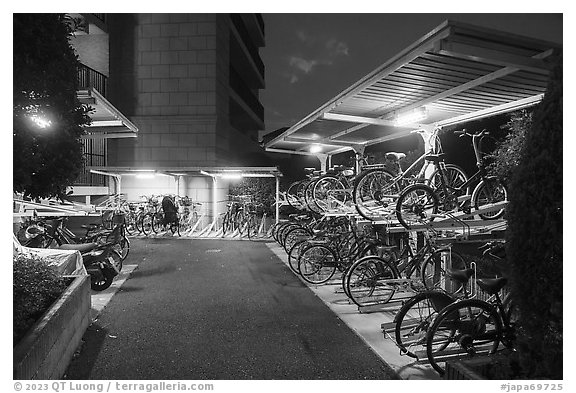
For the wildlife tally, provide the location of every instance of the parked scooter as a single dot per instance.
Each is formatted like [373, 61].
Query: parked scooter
[102, 262]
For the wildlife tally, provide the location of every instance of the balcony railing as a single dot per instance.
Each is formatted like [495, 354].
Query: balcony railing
[245, 36]
[238, 85]
[87, 77]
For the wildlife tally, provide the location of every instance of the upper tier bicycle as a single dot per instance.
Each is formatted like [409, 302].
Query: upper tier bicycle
[376, 190]
[421, 203]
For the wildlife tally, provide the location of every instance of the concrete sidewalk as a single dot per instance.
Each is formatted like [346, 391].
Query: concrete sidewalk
[368, 327]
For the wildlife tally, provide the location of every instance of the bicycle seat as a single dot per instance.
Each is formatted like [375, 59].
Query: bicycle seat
[492, 285]
[395, 156]
[91, 226]
[435, 157]
[460, 275]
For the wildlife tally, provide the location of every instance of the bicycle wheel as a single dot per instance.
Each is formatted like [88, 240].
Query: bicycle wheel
[252, 227]
[294, 255]
[284, 231]
[454, 178]
[131, 228]
[157, 222]
[416, 205]
[240, 221]
[374, 194]
[317, 263]
[326, 190]
[366, 281]
[309, 197]
[294, 235]
[463, 329]
[415, 317]
[139, 218]
[147, 224]
[433, 270]
[175, 226]
[489, 190]
[292, 195]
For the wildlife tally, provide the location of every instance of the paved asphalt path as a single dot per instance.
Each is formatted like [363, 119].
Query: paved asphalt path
[218, 310]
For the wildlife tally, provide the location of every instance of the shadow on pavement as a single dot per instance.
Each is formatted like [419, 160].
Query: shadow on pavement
[85, 357]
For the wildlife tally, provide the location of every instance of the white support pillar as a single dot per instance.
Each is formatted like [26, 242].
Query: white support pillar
[428, 133]
[277, 199]
[322, 159]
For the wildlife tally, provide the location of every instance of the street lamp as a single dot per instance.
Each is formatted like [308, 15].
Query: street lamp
[40, 121]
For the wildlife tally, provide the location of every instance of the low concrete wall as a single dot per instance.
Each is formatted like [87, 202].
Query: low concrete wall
[45, 352]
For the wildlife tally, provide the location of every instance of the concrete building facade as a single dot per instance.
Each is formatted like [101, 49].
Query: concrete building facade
[190, 84]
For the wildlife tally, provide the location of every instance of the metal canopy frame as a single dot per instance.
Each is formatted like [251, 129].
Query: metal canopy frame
[457, 72]
[215, 173]
[107, 121]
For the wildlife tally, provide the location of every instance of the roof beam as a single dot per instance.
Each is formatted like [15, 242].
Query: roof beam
[495, 110]
[491, 56]
[357, 119]
[323, 141]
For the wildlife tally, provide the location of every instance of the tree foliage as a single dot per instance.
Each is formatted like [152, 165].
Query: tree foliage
[46, 160]
[506, 157]
[534, 237]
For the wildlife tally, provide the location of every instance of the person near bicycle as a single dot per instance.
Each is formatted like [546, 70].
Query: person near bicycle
[170, 210]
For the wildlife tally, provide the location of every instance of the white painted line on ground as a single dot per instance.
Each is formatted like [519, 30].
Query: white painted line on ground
[101, 299]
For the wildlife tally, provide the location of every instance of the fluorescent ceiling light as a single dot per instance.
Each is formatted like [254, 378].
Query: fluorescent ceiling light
[145, 176]
[231, 176]
[411, 117]
[315, 149]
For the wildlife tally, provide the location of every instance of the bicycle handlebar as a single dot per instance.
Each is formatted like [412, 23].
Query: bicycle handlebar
[463, 132]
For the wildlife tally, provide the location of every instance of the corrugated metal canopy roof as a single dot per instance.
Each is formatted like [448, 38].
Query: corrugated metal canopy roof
[457, 72]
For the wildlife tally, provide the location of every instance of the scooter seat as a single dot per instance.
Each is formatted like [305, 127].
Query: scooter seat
[82, 247]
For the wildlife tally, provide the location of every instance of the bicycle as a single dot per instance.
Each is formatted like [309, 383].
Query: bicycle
[421, 203]
[374, 279]
[188, 216]
[166, 218]
[376, 190]
[472, 327]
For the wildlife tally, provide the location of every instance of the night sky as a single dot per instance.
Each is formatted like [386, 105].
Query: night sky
[311, 58]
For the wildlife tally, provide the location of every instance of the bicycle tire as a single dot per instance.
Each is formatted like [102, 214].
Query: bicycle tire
[434, 275]
[157, 222]
[317, 263]
[293, 235]
[372, 194]
[415, 317]
[293, 255]
[469, 327]
[322, 189]
[309, 197]
[363, 277]
[292, 195]
[489, 190]
[416, 205]
[455, 178]
[147, 224]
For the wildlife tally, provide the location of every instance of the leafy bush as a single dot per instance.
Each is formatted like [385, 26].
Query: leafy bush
[506, 157]
[36, 287]
[534, 238]
[262, 190]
